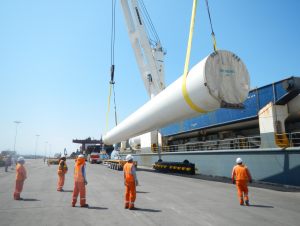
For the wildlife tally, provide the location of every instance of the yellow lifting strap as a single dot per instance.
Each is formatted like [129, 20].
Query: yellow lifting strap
[108, 107]
[185, 94]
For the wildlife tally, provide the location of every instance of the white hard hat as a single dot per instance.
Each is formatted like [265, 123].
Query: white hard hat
[81, 156]
[21, 159]
[129, 157]
[239, 160]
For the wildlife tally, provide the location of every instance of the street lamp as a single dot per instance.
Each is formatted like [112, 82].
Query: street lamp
[50, 151]
[36, 145]
[17, 123]
[46, 144]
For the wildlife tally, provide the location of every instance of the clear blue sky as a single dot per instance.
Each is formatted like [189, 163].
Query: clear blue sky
[55, 59]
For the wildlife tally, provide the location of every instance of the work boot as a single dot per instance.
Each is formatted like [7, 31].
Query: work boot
[241, 201]
[126, 207]
[131, 207]
[85, 206]
[247, 202]
[73, 205]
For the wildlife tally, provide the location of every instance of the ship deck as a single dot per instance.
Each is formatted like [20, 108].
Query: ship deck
[161, 200]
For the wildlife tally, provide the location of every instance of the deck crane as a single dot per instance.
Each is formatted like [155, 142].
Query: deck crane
[149, 55]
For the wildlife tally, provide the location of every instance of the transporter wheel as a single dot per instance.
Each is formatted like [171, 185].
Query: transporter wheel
[186, 161]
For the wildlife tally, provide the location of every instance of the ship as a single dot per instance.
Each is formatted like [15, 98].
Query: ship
[265, 133]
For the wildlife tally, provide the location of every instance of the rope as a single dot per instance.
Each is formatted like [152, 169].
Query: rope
[108, 107]
[113, 31]
[115, 105]
[149, 21]
[112, 61]
[187, 61]
[211, 27]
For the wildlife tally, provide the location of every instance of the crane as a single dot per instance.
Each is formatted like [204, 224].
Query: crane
[149, 53]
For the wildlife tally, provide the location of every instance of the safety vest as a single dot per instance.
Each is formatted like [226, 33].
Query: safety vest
[128, 172]
[20, 172]
[62, 167]
[241, 173]
[78, 175]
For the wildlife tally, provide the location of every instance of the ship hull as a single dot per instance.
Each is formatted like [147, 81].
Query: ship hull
[267, 165]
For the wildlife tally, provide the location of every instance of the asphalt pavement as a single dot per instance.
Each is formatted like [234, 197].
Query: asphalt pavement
[161, 200]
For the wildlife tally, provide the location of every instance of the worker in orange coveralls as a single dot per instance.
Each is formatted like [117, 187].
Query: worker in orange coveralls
[241, 176]
[80, 182]
[20, 178]
[62, 170]
[130, 182]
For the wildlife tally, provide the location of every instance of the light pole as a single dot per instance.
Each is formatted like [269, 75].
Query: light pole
[50, 151]
[46, 144]
[17, 123]
[36, 144]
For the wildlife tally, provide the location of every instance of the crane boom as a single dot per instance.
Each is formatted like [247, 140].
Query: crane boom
[150, 58]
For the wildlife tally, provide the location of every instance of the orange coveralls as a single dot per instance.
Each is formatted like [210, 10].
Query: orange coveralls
[130, 184]
[241, 176]
[79, 182]
[62, 170]
[20, 178]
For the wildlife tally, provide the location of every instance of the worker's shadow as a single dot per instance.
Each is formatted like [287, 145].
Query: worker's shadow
[147, 210]
[67, 191]
[261, 206]
[30, 200]
[97, 208]
[142, 192]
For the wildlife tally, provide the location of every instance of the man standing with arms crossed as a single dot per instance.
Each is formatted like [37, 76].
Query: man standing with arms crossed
[80, 182]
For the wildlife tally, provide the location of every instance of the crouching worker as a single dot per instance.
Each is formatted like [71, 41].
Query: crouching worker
[20, 178]
[241, 176]
[79, 182]
[130, 182]
[62, 170]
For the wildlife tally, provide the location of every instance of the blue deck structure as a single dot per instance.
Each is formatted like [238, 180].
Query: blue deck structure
[279, 93]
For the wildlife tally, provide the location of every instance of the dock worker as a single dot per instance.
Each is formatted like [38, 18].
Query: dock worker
[62, 170]
[80, 182]
[130, 182]
[241, 177]
[20, 178]
[7, 162]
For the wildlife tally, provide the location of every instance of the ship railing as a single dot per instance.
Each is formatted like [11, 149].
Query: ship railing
[294, 139]
[226, 144]
[231, 144]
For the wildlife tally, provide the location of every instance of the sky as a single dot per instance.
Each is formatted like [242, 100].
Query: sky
[55, 60]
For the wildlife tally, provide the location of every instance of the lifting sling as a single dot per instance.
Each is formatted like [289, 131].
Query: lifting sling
[185, 94]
